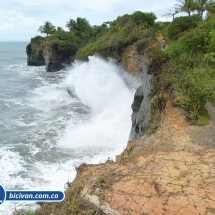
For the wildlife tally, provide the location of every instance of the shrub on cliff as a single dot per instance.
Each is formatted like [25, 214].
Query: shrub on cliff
[123, 31]
[36, 43]
[180, 25]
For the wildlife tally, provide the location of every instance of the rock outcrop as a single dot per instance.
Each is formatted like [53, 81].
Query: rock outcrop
[58, 56]
[34, 57]
[55, 55]
[141, 106]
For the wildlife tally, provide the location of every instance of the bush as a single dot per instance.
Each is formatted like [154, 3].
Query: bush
[181, 24]
[144, 18]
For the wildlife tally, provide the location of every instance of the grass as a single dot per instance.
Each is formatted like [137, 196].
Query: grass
[101, 180]
[203, 118]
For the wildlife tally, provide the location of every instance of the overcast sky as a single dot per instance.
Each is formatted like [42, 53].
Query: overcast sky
[20, 19]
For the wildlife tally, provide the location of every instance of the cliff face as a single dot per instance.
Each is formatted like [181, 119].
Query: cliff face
[34, 58]
[169, 172]
[165, 173]
[137, 64]
[55, 55]
[58, 56]
[141, 106]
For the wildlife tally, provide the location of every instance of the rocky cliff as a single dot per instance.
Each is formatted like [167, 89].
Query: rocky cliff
[168, 172]
[34, 57]
[55, 55]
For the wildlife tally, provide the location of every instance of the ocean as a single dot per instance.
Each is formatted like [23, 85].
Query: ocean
[50, 123]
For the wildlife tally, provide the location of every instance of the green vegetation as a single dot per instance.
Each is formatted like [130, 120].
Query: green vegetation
[188, 68]
[180, 25]
[185, 70]
[101, 180]
[123, 31]
[47, 28]
[72, 204]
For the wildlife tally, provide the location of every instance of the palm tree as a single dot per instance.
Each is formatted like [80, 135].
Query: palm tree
[47, 28]
[79, 26]
[205, 5]
[186, 6]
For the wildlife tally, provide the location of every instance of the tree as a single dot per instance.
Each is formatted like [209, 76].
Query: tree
[205, 5]
[172, 12]
[79, 26]
[187, 6]
[148, 18]
[47, 28]
[59, 29]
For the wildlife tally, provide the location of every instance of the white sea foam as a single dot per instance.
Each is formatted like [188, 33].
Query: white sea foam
[58, 131]
[99, 85]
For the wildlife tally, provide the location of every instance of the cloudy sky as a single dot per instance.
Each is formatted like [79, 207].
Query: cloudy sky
[20, 19]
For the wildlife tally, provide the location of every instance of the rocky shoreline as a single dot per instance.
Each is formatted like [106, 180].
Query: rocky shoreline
[167, 171]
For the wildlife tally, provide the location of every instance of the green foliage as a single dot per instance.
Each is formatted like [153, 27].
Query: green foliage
[101, 180]
[160, 26]
[37, 42]
[144, 18]
[72, 204]
[205, 5]
[187, 6]
[123, 32]
[79, 26]
[158, 104]
[180, 25]
[193, 83]
[138, 18]
[198, 40]
[47, 28]
[203, 118]
[65, 37]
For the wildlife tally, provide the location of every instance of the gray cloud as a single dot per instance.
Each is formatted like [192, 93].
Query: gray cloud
[21, 19]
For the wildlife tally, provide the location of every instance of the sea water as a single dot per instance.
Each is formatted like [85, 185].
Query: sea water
[52, 122]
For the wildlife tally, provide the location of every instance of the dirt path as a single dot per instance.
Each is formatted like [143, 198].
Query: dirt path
[160, 37]
[169, 173]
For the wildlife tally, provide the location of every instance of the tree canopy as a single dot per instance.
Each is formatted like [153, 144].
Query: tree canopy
[205, 5]
[78, 26]
[199, 5]
[186, 6]
[47, 28]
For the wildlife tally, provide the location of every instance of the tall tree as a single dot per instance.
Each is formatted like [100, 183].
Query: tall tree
[47, 28]
[205, 5]
[186, 6]
[172, 12]
[78, 26]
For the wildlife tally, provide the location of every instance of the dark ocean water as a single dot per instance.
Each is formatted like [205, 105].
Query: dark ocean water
[45, 131]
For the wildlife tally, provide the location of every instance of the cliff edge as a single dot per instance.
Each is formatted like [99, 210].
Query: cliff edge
[54, 54]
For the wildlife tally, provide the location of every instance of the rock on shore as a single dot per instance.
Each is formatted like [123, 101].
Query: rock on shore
[54, 55]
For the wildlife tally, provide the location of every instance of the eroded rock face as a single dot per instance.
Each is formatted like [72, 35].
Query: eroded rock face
[34, 58]
[141, 106]
[58, 56]
[55, 56]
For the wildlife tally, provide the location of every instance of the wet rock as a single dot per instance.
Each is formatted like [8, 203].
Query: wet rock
[138, 98]
[55, 55]
[58, 56]
[141, 106]
[34, 58]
